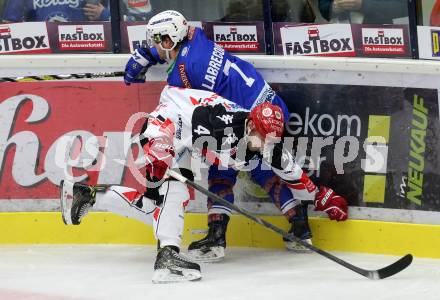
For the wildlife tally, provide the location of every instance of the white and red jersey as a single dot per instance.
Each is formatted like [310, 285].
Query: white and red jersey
[204, 123]
[185, 115]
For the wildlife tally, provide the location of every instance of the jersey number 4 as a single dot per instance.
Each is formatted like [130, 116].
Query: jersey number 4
[229, 65]
[201, 130]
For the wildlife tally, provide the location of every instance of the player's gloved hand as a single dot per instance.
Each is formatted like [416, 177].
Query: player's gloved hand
[159, 153]
[334, 205]
[138, 64]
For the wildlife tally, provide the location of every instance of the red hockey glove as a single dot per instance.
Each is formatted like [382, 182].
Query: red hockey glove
[159, 154]
[334, 205]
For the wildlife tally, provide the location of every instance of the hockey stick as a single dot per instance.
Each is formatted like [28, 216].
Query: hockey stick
[385, 272]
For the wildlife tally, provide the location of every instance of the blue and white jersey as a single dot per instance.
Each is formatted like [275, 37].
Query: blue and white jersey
[47, 10]
[202, 64]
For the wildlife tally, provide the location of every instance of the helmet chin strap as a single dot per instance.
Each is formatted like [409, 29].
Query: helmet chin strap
[167, 54]
[167, 51]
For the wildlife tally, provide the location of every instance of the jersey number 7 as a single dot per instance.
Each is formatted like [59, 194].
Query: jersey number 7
[229, 65]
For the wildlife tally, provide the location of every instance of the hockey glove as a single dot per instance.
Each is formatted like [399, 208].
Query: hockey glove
[138, 64]
[159, 154]
[334, 205]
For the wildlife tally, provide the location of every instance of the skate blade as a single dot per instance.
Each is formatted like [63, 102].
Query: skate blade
[66, 199]
[166, 276]
[215, 254]
[298, 248]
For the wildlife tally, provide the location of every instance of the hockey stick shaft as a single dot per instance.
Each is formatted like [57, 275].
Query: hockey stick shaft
[386, 272]
[65, 77]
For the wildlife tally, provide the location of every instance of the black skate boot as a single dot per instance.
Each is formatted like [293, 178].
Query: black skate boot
[170, 266]
[76, 201]
[212, 247]
[300, 228]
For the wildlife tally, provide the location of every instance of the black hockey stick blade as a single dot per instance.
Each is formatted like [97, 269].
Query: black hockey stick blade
[385, 272]
[388, 271]
[392, 269]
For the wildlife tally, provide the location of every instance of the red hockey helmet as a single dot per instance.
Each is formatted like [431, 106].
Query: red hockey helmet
[268, 118]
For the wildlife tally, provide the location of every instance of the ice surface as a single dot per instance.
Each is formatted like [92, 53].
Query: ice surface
[124, 272]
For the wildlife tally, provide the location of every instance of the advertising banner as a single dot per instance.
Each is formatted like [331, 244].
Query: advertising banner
[341, 40]
[237, 37]
[133, 35]
[429, 42]
[80, 37]
[376, 146]
[381, 40]
[313, 39]
[44, 125]
[24, 38]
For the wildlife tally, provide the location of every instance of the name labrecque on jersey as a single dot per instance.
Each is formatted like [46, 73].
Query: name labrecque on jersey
[215, 64]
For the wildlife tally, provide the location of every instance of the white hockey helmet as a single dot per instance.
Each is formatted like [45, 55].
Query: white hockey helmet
[169, 22]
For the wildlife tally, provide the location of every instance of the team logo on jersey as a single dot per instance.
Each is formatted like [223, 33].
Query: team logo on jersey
[278, 115]
[383, 41]
[81, 37]
[435, 43]
[184, 51]
[267, 112]
[23, 38]
[326, 40]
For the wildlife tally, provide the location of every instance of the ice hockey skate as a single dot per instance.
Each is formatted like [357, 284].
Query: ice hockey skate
[300, 228]
[76, 201]
[212, 247]
[172, 266]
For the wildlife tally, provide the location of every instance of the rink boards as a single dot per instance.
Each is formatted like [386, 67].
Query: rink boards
[376, 237]
[392, 211]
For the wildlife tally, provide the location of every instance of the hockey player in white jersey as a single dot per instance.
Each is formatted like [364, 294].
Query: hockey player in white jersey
[190, 123]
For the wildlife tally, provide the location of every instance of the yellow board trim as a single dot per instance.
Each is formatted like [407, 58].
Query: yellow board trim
[378, 129]
[106, 228]
[374, 188]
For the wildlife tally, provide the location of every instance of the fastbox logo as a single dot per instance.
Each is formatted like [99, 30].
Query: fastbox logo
[25, 38]
[325, 40]
[81, 37]
[383, 41]
[236, 37]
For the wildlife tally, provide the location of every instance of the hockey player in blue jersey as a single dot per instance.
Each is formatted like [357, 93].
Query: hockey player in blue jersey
[197, 62]
[56, 11]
